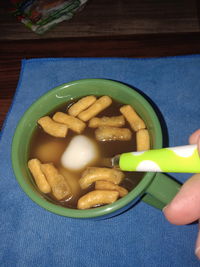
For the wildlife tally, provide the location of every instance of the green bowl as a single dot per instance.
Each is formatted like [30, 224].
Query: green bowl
[58, 96]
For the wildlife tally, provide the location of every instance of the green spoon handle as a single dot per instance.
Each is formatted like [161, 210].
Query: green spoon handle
[174, 159]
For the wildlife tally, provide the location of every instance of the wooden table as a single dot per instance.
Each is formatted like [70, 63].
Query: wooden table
[105, 28]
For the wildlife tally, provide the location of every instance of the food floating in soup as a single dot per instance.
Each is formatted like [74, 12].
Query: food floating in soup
[79, 153]
[69, 147]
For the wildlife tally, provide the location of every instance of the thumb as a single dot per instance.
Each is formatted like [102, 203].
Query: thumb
[185, 207]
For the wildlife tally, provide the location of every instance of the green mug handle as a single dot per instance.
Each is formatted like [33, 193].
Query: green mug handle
[161, 191]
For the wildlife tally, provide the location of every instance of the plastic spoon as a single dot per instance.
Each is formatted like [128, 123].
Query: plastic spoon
[173, 159]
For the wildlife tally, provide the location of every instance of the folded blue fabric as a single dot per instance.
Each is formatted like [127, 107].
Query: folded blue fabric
[32, 236]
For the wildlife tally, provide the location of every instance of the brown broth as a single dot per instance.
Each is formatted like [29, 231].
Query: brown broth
[107, 150]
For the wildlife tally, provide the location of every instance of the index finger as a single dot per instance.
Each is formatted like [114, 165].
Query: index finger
[195, 139]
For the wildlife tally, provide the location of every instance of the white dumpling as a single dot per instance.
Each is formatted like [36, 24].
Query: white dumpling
[79, 153]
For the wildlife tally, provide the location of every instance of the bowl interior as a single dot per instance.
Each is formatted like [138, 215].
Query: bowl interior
[58, 96]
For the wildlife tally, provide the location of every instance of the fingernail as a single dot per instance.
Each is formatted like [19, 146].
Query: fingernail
[163, 210]
[197, 252]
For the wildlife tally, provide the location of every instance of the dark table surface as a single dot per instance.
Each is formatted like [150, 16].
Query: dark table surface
[128, 28]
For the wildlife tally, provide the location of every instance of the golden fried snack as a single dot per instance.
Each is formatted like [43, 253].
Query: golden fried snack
[72, 180]
[132, 117]
[34, 166]
[142, 140]
[105, 185]
[115, 121]
[101, 103]
[97, 198]
[81, 105]
[72, 123]
[107, 133]
[59, 186]
[53, 128]
[93, 174]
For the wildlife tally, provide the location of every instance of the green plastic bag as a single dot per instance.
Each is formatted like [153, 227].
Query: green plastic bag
[41, 15]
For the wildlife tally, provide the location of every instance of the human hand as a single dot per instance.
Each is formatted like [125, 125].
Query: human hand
[185, 207]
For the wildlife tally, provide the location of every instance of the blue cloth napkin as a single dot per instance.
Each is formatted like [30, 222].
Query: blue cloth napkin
[31, 236]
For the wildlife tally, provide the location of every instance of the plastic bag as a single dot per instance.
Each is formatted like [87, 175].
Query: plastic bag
[41, 15]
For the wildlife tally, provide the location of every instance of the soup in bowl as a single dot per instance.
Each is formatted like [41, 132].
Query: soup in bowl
[63, 142]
